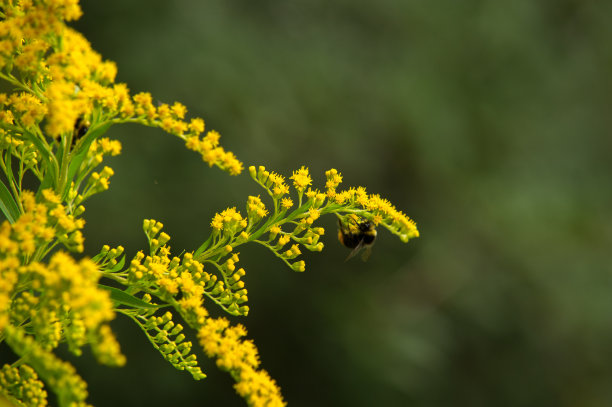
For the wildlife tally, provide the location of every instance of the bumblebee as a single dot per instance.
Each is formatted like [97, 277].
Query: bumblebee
[81, 127]
[356, 233]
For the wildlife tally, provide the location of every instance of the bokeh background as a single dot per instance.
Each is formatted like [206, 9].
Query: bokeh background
[487, 122]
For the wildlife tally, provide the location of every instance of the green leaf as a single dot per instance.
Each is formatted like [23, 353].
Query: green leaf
[98, 257]
[123, 298]
[7, 204]
[118, 266]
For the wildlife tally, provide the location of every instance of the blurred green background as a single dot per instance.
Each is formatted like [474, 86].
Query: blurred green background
[487, 122]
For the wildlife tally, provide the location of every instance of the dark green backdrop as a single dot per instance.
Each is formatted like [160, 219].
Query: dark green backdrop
[487, 122]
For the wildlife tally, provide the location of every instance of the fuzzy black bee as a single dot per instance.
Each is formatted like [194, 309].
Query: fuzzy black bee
[356, 233]
[81, 127]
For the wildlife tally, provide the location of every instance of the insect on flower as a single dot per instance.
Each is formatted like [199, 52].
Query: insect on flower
[81, 127]
[356, 233]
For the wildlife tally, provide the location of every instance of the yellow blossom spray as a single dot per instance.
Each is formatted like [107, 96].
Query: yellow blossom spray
[52, 127]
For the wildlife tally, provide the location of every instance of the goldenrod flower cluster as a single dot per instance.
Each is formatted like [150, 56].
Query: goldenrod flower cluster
[169, 277]
[42, 226]
[52, 124]
[301, 179]
[241, 359]
[167, 338]
[23, 385]
[286, 232]
[66, 99]
[55, 301]
[59, 300]
[60, 376]
[184, 283]
[371, 206]
[282, 226]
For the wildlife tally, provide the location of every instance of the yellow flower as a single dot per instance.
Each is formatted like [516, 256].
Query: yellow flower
[6, 116]
[196, 126]
[212, 137]
[334, 178]
[230, 221]
[342, 197]
[63, 108]
[299, 266]
[179, 110]
[274, 230]
[283, 240]
[256, 208]
[217, 222]
[144, 105]
[28, 109]
[225, 343]
[105, 146]
[286, 203]
[292, 252]
[106, 348]
[313, 214]
[231, 164]
[23, 380]
[212, 153]
[301, 179]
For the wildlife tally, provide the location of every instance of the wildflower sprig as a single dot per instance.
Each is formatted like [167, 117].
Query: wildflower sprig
[107, 261]
[167, 338]
[61, 376]
[23, 385]
[183, 284]
[65, 100]
[285, 231]
[57, 300]
[239, 357]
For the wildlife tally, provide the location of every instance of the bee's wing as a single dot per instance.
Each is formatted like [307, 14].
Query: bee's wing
[366, 253]
[356, 250]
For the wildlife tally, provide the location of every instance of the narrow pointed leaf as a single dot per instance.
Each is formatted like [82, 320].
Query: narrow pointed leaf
[7, 204]
[123, 298]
